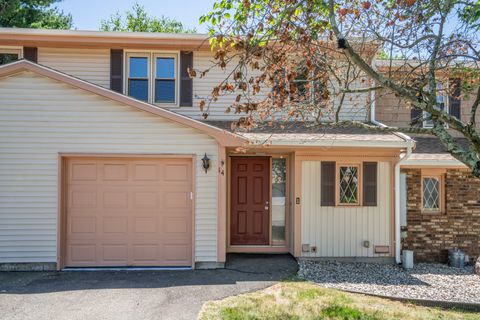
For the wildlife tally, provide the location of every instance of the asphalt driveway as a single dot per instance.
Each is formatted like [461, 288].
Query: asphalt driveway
[135, 295]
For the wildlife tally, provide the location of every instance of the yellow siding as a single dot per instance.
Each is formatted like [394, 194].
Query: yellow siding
[341, 231]
[40, 118]
[92, 65]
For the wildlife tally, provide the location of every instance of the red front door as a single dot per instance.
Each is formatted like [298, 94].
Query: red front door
[250, 201]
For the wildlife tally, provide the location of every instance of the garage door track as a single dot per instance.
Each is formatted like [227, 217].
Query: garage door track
[134, 294]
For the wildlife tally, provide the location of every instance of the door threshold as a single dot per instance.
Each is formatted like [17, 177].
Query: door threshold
[80, 269]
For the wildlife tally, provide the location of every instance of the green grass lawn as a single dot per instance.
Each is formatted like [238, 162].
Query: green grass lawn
[304, 300]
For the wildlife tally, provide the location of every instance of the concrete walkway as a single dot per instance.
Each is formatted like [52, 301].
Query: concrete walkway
[134, 294]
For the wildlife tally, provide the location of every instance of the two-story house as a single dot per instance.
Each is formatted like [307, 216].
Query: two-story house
[105, 160]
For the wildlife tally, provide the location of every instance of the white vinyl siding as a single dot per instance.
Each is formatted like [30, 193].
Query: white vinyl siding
[341, 231]
[92, 65]
[40, 118]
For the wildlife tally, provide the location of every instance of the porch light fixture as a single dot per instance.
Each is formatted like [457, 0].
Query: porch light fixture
[206, 162]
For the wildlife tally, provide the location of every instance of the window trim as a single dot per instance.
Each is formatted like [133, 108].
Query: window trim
[438, 174]
[359, 166]
[127, 71]
[175, 77]
[152, 54]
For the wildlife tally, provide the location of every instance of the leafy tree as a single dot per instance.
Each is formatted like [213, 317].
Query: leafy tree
[33, 14]
[137, 19]
[334, 45]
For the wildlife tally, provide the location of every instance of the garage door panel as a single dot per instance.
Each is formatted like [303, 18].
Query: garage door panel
[115, 199]
[115, 172]
[123, 212]
[177, 172]
[145, 172]
[115, 253]
[81, 254]
[115, 225]
[176, 252]
[81, 197]
[147, 253]
[145, 199]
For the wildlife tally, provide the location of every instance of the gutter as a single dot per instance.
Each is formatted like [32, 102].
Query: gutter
[410, 146]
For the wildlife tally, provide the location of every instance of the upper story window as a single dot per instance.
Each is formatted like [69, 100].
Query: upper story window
[441, 104]
[306, 89]
[152, 77]
[8, 55]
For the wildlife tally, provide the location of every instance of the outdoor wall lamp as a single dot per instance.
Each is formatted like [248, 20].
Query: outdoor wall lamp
[206, 162]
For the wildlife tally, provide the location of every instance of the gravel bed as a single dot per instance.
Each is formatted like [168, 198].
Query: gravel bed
[426, 281]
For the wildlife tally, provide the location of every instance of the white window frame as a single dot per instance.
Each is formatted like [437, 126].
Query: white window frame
[311, 90]
[127, 71]
[152, 55]
[12, 50]
[176, 72]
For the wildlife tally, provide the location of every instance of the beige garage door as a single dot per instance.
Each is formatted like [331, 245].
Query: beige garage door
[128, 212]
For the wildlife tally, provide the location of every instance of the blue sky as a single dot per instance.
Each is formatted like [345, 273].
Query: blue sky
[87, 14]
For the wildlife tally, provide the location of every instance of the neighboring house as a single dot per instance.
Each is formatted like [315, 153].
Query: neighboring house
[441, 198]
[105, 160]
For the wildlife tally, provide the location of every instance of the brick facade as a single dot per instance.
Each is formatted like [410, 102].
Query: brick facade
[430, 235]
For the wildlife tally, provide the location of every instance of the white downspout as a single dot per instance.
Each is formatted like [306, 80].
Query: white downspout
[411, 144]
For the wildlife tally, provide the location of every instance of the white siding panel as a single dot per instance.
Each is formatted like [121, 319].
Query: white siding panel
[202, 88]
[341, 231]
[91, 65]
[51, 118]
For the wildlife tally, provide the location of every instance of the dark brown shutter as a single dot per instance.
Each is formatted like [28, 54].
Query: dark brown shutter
[186, 83]
[369, 183]
[328, 184]
[454, 102]
[116, 70]
[30, 53]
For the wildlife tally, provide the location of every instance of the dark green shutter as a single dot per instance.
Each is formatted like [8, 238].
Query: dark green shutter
[327, 184]
[369, 183]
[186, 83]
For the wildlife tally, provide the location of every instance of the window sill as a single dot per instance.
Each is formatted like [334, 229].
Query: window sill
[432, 212]
[167, 105]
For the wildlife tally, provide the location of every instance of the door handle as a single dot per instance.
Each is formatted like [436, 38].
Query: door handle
[266, 205]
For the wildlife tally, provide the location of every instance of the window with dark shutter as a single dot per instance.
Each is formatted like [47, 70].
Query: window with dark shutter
[186, 83]
[416, 117]
[116, 70]
[454, 102]
[328, 184]
[30, 53]
[369, 183]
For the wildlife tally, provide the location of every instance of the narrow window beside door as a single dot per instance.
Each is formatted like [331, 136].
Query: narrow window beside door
[279, 191]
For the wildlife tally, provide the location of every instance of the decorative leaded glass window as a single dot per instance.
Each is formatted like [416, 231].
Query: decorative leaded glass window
[431, 194]
[348, 184]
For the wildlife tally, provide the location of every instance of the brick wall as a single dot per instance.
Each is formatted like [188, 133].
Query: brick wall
[430, 235]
